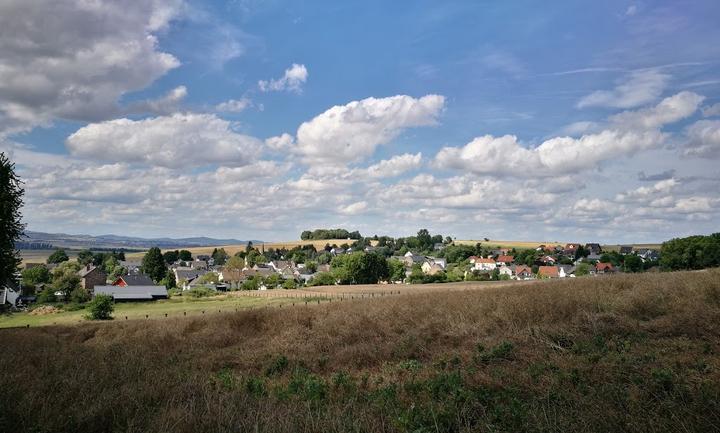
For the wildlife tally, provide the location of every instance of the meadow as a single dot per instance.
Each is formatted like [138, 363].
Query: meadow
[634, 353]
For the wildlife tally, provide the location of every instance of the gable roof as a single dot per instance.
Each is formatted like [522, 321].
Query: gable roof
[600, 266]
[134, 280]
[548, 271]
[519, 269]
[132, 292]
[481, 260]
[505, 259]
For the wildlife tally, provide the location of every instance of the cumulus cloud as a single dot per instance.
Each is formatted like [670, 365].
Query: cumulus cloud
[293, 79]
[349, 133]
[395, 166]
[703, 139]
[179, 140]
[233, 105]
[74, 59]
[354, 208]
[638, 88]
[712, 110]
[168, 103]
[629, 132]
[281, 142]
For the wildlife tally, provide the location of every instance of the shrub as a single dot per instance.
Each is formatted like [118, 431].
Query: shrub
[174, 292]
[47, 296]
[79, 295]
[101, 308]
[201, 292]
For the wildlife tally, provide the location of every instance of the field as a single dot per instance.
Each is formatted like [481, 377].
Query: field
[634, 353]
[232, 301]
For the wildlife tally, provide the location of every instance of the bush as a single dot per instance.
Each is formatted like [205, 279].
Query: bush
[79, 295]
[101, 308]
[47, 296]
[201, 292]
[174, 292]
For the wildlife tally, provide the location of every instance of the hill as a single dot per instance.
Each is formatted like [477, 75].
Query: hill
[62, 240]
[624, 353]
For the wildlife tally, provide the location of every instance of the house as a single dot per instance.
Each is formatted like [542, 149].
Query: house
[439, 246]
[279, 265]
[547, 260]
[9, 296]
[231, 275]
[430, 268]
[548, 272]
[504, 260]
[484, 264]
[506, 270]
[131, 266]
[132, 280]
[523, 272]
[337, 251]
[91, 276]
[593, 248]
[410, 259]
[133, 293]
[571, 249]
[566, 271]
[648, 254]
[604, 268]
[184, 276]
[438, 261]
[626, 249]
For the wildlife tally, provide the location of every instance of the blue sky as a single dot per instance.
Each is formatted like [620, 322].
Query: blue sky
[570, 121]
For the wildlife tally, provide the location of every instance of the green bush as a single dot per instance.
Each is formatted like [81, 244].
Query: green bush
[201, 292]
[101, 308]
[174, 292]
[47, 296]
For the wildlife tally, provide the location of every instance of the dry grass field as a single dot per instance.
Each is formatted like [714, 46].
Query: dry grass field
[636, 353]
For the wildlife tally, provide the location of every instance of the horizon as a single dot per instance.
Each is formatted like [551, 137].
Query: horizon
[259, 120]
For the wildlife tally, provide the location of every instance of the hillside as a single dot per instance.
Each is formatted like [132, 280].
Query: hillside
[634, 353]
[62, 240]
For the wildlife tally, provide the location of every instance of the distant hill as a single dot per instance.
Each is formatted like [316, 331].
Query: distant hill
[62, 240]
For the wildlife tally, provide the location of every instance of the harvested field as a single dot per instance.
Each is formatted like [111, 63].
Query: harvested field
[634, 353]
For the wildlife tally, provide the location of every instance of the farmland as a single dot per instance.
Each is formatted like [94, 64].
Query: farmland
[617, 353]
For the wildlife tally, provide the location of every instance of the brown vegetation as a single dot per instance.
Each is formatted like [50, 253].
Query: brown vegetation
[621, 353]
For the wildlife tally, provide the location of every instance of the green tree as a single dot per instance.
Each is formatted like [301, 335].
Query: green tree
[311, 266]
[171, 256]
[235, 263]
[582, 269]
[693, 252]
[185, 255]
[85, 257]
[360, 268]
[66, 279]
[35, 275]
[58, 256]
[11, 226]
[169, 280]
[219, 256]
[396, 269]
[100, 308]
[632, 263]
[153, 264]
[289, 284]
[323, 279]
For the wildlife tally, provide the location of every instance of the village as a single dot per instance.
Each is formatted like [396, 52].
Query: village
[414, 260]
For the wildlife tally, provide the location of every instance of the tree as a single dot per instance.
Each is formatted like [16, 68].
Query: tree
[66, 278]
[85, 257]
[34, 276]
[424, 240]
[153, 264]
[11, 226]
[582, 269]
[693, 252]
[360, 268]
[58, 256]
[185, 255]
[169, 280]
[101, 308]
[289, 284]
[171, 256]
[219, 256]
[235, 263]
[633, 263]
[396, 269]
[323, 279]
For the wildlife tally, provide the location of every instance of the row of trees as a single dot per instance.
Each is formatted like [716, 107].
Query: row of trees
[693, 252]
[321, 234]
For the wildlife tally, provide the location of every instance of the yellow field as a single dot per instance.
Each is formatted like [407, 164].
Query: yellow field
[508, 244]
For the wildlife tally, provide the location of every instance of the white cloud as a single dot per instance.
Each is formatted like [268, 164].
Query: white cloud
[349, 133]
[292, 80]
[281, 142]
[233, 105]
[180, 140]
[354, 208]
[703, 139]
[74, 59]
[168, 103]
[629, 133]
[395, 166]
[712, 110]
[638, 88]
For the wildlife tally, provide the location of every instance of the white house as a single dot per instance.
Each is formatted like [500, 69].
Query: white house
[484, 264]
[506, 270]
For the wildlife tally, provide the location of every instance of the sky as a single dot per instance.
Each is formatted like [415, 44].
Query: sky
[250, 119]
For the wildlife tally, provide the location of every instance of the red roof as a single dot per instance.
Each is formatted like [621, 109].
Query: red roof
[548, 271]
[600, 266]
[484, 261]
[505, 259]
[521, 268]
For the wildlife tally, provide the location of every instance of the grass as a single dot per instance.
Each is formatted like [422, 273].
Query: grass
[634, 353]
[174, 307]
